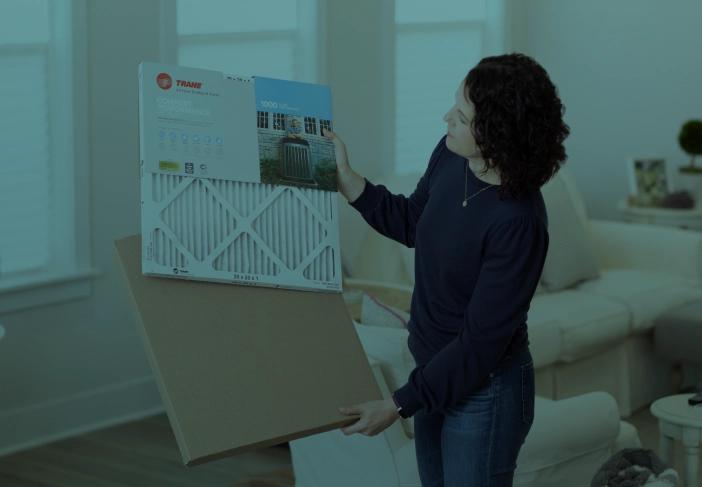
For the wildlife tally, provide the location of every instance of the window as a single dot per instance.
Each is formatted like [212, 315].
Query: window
[279, 121]
[273, 38]
[43, 198]
[436, 44]
[262, 120]
[310, 125]
[326, 124]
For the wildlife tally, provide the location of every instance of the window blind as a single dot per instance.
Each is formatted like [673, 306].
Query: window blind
[25, 161]
[436, 43]
[242, 37]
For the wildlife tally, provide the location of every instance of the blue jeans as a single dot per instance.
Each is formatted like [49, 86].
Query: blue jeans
[476, 442]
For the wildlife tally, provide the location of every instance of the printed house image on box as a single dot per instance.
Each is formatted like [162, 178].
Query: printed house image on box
[292, 159]
[290, 117]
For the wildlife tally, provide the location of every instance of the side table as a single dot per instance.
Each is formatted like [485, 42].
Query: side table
[678, 420]
[687, 218]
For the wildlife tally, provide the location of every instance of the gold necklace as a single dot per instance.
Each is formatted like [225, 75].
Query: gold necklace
[465, 193]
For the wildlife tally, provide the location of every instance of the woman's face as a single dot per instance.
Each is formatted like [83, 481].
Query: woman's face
[460, 138]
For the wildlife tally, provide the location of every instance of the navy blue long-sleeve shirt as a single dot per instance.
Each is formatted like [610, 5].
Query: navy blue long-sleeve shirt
[476, 271]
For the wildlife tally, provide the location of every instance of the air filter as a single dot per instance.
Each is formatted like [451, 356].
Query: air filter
[213, 228]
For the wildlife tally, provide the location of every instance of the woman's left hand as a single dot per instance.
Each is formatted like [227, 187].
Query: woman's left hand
[376, 416]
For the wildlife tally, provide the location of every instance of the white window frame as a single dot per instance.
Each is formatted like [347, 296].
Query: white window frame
[69, 275]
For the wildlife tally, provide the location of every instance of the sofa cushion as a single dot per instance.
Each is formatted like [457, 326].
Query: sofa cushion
[588, 323]
[544, 340]
[646, 294]
[374, 312]
[571, 257]
[388, 346]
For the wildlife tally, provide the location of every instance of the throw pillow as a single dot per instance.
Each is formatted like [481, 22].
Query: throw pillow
[571, 258]
[374, 312]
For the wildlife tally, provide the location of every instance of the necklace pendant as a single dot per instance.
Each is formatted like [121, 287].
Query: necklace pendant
[465, 203]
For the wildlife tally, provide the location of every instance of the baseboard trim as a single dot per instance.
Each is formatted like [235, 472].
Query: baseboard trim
[39, 424]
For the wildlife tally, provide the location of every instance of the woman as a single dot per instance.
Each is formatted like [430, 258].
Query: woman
[478, 224]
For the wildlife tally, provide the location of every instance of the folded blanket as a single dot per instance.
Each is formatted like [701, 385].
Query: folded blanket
[634, 467]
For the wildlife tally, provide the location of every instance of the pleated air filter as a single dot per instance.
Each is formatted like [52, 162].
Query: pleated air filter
[234, 231]
[243, 232]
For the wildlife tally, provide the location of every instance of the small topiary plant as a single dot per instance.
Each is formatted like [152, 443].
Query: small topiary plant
[690, 139]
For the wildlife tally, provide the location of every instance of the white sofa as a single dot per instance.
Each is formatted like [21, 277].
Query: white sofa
[569, 440]
[593, 336]
[591, 343]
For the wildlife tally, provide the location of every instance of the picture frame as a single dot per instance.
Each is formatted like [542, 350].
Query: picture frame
[649, 180]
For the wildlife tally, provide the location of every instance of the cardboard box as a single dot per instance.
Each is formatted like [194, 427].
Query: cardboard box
[243, 367]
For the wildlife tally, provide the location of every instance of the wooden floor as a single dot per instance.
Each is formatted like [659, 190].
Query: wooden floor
[141, 453]
[145, 453]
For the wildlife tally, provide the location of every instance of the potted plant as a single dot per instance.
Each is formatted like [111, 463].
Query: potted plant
[690, 139]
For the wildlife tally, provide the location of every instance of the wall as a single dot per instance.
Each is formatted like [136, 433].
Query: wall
[78, 365]
[629, 74]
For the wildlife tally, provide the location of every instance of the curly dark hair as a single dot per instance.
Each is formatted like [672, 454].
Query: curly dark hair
[517, 125]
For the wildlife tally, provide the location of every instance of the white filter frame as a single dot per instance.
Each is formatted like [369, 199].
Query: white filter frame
[240, 232]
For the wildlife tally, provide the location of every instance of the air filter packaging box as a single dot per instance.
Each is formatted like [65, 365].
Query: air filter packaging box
[238, 184]
[235, 278]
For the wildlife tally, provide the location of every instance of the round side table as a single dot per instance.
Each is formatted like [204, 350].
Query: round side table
[678, 420]
[686, 218]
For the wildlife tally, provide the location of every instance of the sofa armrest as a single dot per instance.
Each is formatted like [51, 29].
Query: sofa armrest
[647, 247]
[570, 428]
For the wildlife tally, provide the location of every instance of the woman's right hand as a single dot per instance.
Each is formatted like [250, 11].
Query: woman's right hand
[351, 184]
[342, 158]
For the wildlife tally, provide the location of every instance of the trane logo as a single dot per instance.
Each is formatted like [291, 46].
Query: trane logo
[189, 84]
